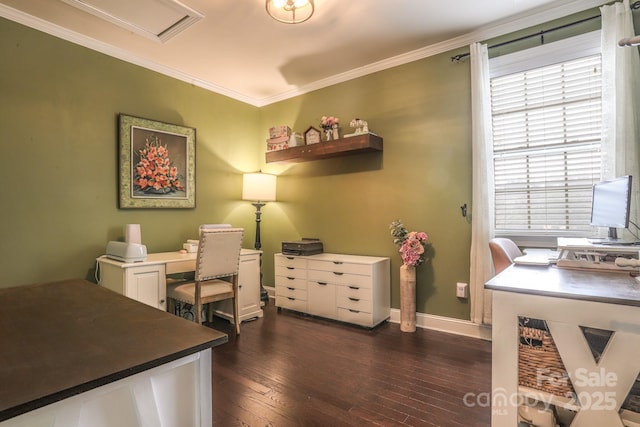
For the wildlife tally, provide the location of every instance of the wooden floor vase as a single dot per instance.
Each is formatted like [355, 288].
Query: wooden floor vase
[408, 298]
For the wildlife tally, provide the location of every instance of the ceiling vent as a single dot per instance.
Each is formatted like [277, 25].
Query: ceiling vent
[158, 20]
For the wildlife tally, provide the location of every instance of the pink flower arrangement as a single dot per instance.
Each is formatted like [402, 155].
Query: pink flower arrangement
[412, 244]
[328, 122]
[154, 172]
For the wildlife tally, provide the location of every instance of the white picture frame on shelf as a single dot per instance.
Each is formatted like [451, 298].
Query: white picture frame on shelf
[312, 136]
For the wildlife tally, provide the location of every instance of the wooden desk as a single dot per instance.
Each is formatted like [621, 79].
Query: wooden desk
[145, 281]
[567, 299]
[77, 363]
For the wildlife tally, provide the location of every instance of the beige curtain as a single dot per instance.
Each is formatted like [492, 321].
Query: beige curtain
[482, 187]
[620, 97]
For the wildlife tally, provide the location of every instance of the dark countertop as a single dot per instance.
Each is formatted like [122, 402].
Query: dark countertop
[64, 338]
[588, 285]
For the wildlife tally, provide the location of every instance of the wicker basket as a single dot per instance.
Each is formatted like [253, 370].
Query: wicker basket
[540, 366]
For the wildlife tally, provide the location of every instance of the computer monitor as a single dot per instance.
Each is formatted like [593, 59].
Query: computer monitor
[610, 205]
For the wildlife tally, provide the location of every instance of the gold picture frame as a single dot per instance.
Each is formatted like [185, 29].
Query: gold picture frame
[156, 164]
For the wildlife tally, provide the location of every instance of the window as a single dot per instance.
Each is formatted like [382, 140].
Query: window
[546, 119]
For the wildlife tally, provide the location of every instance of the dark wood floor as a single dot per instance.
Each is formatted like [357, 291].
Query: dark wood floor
[290, 370]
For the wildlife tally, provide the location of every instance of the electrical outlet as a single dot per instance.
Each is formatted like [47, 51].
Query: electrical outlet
[461, 290]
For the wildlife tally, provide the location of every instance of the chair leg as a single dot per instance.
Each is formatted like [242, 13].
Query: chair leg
[198, 313]
[210, 312]
[236, 315]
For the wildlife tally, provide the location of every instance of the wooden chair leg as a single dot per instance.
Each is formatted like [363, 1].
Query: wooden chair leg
[210, 312]
[236, 314]
[198, 313]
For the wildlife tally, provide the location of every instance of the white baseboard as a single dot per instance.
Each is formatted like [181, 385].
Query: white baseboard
[437, 323]
[447, 324]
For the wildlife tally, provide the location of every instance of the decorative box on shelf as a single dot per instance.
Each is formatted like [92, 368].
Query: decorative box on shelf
[357, 144]
[283, 142]
[279, 131]
[279, 143]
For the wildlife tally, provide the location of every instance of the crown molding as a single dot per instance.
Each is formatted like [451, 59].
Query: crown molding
[496, 29]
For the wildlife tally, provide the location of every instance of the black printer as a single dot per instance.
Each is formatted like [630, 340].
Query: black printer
[306, 246]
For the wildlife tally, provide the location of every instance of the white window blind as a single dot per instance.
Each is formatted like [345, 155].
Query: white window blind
[547, 153]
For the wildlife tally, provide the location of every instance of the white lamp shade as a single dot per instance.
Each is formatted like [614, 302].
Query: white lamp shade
[260, 187]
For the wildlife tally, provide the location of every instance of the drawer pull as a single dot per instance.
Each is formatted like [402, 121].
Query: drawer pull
[354, 287]
[291, 268]
[291, 289]
[322, 283]
[291, 299]
[291, 278]
[354, 311]
[337, 262]
[290, 257]
[337, 273]
[354, 299]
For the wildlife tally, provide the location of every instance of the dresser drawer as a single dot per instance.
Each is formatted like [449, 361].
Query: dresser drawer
[354, 316]
[339, 267]
[363, 305]
[340, 278]
[291, 303]
[298, 273]
[355, 292]
[289, 261]
[291, 282]
[283, 283]
[356, 299]
[290, 291]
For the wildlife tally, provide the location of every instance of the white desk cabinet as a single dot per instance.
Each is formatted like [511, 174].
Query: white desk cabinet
[248, 290]
[146, 281]
[349, 288]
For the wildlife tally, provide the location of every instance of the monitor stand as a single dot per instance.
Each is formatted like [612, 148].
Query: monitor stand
[612, 240]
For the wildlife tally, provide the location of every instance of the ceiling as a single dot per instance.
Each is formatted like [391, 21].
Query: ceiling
[234, 48]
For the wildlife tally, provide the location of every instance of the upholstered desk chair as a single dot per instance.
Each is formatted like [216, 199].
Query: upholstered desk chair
[503, 252]
[216, 275]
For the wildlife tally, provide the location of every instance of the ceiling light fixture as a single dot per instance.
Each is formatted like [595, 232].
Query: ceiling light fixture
[290, 11]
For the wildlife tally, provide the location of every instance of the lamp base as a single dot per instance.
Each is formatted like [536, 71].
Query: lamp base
[264, 296]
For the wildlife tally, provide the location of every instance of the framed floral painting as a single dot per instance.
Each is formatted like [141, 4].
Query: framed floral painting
[157, 164]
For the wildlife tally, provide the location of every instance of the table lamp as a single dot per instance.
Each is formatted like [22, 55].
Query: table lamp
[259, 188]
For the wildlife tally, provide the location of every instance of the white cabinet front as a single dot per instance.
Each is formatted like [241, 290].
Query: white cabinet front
[322, 299]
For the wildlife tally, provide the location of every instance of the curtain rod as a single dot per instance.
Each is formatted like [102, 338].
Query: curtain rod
[541, 33]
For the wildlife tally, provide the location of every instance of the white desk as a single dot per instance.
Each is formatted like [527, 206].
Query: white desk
[566, 300]
[145, 281]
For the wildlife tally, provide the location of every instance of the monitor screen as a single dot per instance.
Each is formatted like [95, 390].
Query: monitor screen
[610, 204]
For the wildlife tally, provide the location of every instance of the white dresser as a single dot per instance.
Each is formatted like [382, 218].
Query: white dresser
[349, 288]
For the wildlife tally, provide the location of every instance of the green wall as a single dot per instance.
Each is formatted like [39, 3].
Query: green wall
[58, 114]
[422, 110]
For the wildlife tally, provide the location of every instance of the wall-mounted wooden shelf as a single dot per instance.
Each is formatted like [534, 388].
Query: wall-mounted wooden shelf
[364, 143]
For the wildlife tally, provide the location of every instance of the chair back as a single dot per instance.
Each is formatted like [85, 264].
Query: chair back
[218, 253]
[503, 252]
